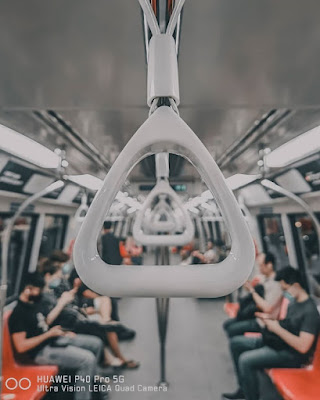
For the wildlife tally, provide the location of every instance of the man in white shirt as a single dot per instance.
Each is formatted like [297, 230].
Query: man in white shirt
[269, 304]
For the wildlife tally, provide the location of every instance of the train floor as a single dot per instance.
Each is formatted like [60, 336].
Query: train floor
[198, 361]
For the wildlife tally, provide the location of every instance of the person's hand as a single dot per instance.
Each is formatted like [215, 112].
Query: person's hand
[70, 334]
[272, 325]
[67, 297]
[262, 315]
[55, 331]
[249, 287]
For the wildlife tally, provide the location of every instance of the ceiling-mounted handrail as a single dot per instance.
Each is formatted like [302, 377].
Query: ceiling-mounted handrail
[82, 210]
[162, 187]
[165, 131]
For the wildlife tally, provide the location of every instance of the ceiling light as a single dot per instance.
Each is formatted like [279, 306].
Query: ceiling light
[238, 180]
[27, 149]
[302, 146]
[88, 181]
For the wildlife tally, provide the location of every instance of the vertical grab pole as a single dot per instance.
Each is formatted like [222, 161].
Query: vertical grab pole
[162, 305]
[5, 252]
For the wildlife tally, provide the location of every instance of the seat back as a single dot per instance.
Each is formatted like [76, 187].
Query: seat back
[316, 357]
[8, 353]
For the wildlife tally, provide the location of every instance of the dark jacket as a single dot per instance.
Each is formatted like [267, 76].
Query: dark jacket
[110, 249]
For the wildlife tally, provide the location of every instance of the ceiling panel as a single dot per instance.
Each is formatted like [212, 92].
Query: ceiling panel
[71, 54]
[250, 53]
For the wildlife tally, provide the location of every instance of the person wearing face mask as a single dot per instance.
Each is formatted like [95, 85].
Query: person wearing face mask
[289, 343]
[32, 336]
[64, 311]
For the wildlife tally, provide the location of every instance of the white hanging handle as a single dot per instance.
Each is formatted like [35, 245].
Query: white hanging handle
[82, 210]
[164, 131]
[162, 187]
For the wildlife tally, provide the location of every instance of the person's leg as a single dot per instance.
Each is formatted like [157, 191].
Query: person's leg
[115, 309]
[240, 327]
[89, 342]
[114, 346]
[228, 323]
[104, 308]
[81, 360]
[239, 345]
[251, 362]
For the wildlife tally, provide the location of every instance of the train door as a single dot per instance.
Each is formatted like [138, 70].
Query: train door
[53, 236]
[19, 250]
[307, 245]
[273, 238]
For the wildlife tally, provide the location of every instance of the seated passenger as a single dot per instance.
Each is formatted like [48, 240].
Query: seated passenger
[210, 255]
[289, 343]
[95, 304]
[265, 298]
[61, 259]
[31, 335]
[134, 251]
[186, 258]
[71, 318]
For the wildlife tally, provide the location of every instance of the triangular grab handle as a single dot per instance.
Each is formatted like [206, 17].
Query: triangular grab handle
[164, 131]
[162, 187]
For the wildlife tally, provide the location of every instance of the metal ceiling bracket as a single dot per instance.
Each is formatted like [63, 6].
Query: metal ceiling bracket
[163, 77]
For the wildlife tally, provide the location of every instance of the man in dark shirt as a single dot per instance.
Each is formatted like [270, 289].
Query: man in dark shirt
[289, 343]
[110, 252]
[31, 335]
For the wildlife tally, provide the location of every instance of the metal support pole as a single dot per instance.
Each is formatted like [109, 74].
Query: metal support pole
[5, 251]
[162, 305]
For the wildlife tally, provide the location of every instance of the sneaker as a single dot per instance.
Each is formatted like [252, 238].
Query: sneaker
[238, 395]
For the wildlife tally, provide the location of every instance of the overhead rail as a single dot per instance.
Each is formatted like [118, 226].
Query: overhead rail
[164, 131]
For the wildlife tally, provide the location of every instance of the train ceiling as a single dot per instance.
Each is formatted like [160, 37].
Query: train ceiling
[73, 74]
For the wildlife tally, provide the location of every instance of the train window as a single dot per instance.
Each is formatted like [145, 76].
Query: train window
[307, 245]
[53, 234]
[19, 250]
[273, 239]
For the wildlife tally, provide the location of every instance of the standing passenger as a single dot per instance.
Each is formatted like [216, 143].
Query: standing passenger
[110, 246]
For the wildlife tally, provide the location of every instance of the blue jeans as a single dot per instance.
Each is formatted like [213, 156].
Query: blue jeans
[250, 356]
[233, 327]
[82, 355]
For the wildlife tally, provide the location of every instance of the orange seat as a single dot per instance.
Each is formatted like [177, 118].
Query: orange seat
[298, 383]
[123, 250]
[28, 373]
[231, 309]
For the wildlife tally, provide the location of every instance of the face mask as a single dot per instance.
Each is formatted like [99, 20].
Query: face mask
[66, 269]
[288, 296]
[55, 283]
[35, 298]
